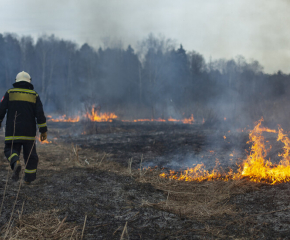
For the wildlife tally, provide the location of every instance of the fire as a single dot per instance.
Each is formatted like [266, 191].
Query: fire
[63, 118]
[198, 173]
[170, 119]
[147, 120]
[256, 167]
[185, 120]
[94, 116]
[188, 120]
[44, 142]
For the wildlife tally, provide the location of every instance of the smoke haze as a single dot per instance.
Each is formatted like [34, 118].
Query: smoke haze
[219, 29]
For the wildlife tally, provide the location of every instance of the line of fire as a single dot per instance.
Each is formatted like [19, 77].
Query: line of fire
[256, 167]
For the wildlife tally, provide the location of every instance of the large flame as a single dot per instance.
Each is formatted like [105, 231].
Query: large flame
[256, 167]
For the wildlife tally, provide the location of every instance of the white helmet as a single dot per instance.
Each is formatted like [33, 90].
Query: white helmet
[23, 76]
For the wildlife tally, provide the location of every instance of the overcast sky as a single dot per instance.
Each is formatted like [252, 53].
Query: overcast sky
[256, 29]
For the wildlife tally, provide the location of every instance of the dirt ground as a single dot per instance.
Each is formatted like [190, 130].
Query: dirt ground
[96, 179]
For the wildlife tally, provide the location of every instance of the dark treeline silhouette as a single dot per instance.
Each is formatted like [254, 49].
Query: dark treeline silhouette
[156, 80]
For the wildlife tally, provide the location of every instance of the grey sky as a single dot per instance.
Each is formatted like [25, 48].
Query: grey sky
[256, 29]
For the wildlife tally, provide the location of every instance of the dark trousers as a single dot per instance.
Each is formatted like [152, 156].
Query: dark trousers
[13, 155]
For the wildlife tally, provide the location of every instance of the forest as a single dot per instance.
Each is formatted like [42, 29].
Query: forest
[158, 79]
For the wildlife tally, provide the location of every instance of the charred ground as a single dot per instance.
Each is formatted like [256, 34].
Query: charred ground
[83, 175]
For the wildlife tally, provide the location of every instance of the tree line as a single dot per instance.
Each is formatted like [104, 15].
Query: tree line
[157, 79]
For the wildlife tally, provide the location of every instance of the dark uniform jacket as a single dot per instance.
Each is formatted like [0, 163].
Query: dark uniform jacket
[26, 102]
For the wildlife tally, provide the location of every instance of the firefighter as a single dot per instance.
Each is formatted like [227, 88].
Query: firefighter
[24, 109]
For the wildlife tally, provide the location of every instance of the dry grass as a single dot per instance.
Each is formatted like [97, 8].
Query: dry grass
[199, 200]
[206, 202]
[125, 234]
[43, 225]
[70, 155]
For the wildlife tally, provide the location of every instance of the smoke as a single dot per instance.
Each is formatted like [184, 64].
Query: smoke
[170, 81]
[221, 29]
[214, 152]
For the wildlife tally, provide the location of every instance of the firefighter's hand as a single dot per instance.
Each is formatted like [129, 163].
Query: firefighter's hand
[43, 136]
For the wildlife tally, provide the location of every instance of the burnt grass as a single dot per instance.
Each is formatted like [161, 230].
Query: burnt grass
[112, 198]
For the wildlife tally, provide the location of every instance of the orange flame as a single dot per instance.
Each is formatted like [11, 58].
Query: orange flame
[63, 118]
[94, 116]
[170, 119]
[255, 167]
[147, 120]
[44, 142]
[188, 120]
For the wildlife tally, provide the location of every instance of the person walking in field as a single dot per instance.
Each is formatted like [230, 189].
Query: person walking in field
[24, 109]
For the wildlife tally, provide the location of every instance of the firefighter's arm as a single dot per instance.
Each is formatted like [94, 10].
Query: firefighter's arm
[40, 118]
[3, 107]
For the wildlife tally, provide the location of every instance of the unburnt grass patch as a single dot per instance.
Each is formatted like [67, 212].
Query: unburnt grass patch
[42, 225]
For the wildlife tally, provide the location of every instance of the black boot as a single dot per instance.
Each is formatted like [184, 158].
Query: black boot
[16, 171]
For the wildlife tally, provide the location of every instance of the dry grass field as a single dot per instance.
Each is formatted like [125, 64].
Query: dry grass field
[101, 186]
